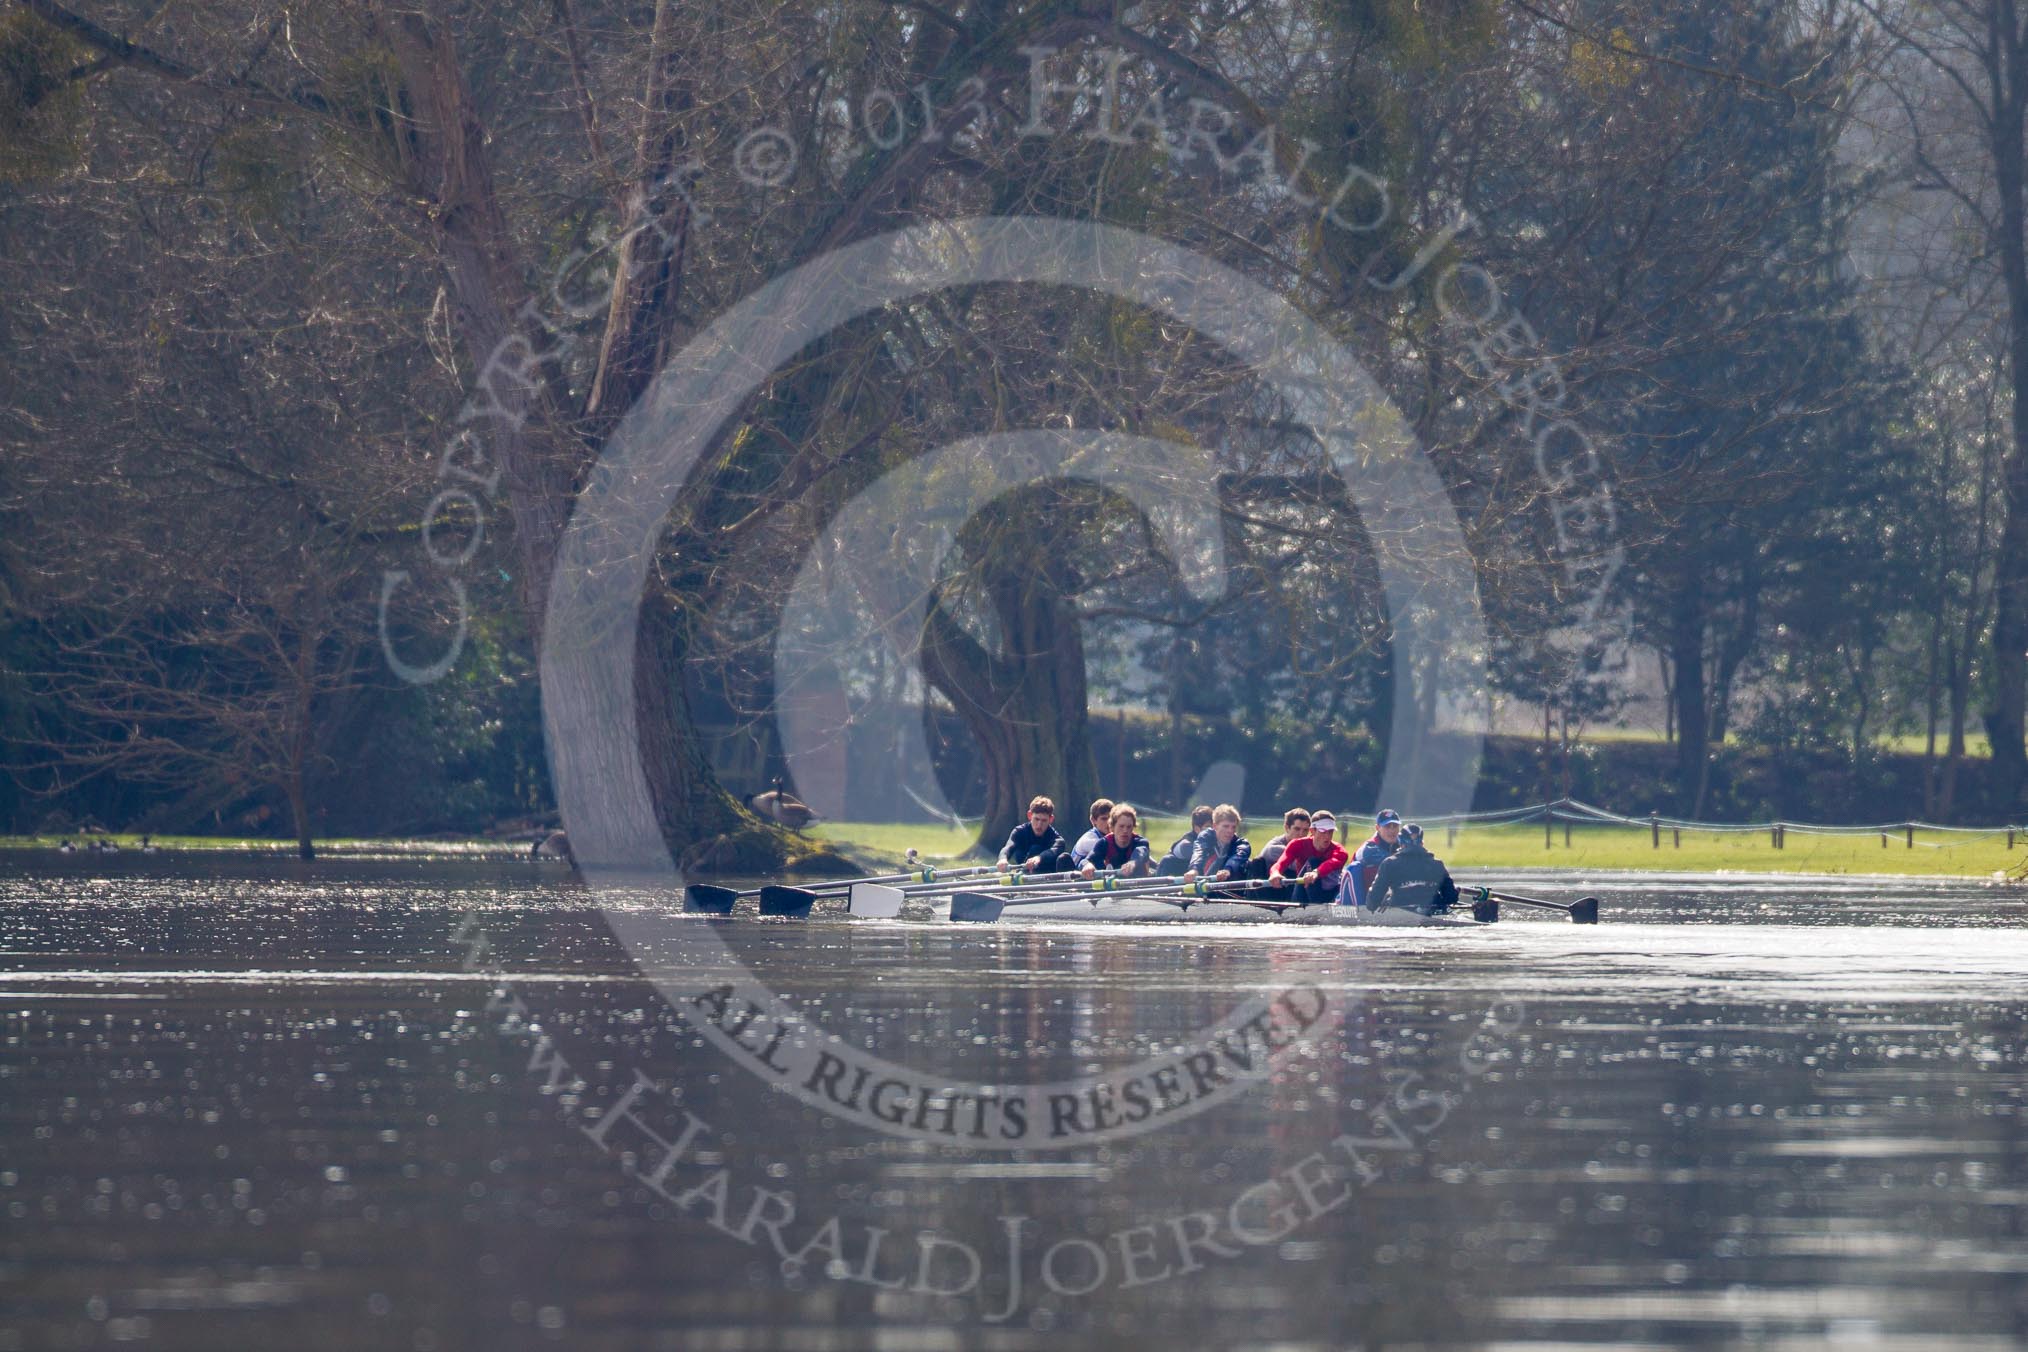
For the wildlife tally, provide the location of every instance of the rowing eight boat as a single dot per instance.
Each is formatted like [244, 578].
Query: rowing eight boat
[987, 907]
[1110, 898]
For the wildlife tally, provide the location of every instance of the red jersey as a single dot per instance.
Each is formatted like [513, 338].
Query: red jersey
[1303, 855]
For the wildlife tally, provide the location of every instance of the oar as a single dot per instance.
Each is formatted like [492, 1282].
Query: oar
[986, 907]
[875, 899]
[707, 899]
[1583, 911]
[796, 902]
[1184, 903]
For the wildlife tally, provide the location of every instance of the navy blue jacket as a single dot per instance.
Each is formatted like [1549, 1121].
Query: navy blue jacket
[1207, 859]
[1111, 854]
[1023, 844]
[1184, 850]
[1411, 878]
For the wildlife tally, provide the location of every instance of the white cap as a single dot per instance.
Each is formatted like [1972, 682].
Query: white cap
[1323, 821]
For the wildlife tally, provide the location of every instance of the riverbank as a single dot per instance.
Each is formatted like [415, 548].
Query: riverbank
[462, 847]
[1952, 854]
[882, 845]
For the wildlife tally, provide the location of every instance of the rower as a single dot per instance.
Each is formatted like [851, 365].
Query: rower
[1124, 850]
[1177, 861]
[1413, 879]
[1366, 864]
[1226, 854]
[1035, 846]
[1101, 814]
[1295, 826]
[1310, 868]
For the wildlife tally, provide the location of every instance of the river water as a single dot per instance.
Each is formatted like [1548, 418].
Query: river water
[401, 1105]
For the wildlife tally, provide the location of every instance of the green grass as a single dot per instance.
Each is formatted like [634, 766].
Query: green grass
[1936, 853]
[1947, 854]
[882, 844]
[1899, 743]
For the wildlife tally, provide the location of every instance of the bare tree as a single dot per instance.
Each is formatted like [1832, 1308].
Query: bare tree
[1963, 133]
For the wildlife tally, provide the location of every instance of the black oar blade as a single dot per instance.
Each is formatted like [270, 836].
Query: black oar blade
[1585, 911]
[976, 907]
[1486, 912]
[787, 901]
[704, 899]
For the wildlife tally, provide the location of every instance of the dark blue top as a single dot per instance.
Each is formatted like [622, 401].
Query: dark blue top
[1111, 854]
[1411, 878]
[1209, 859]
[1184, 850]
[1023, 844]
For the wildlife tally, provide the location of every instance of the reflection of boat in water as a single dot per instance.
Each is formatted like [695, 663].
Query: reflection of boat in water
[1116, 907]
[1399, 916]
[1157, 907]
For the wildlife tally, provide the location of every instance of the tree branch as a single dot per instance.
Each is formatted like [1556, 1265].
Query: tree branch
[127, 53]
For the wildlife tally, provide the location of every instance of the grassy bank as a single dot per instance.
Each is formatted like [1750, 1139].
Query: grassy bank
[1946, 854]
[882, 845]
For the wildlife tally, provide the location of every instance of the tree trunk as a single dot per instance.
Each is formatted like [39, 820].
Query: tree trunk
[1932, 700]
[641, 322]
[1732, 652]
[1958, 671]
[518, 402]
[1548, 775]
[299, 814]
[1686, 655]
[2007, 723]
[690, 805]
[1025, 705]
[302, 735]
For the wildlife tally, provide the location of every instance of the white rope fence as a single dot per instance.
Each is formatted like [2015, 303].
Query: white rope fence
[1570, 811]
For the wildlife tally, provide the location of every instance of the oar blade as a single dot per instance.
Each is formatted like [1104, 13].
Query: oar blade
[1585, 911]
[979, 908]
[875, 901]
[793, 902]
[705, 899]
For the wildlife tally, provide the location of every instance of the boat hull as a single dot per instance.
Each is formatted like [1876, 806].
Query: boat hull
[1108, 908]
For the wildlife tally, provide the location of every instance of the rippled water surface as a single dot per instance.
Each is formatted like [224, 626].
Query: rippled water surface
[249, 1104]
